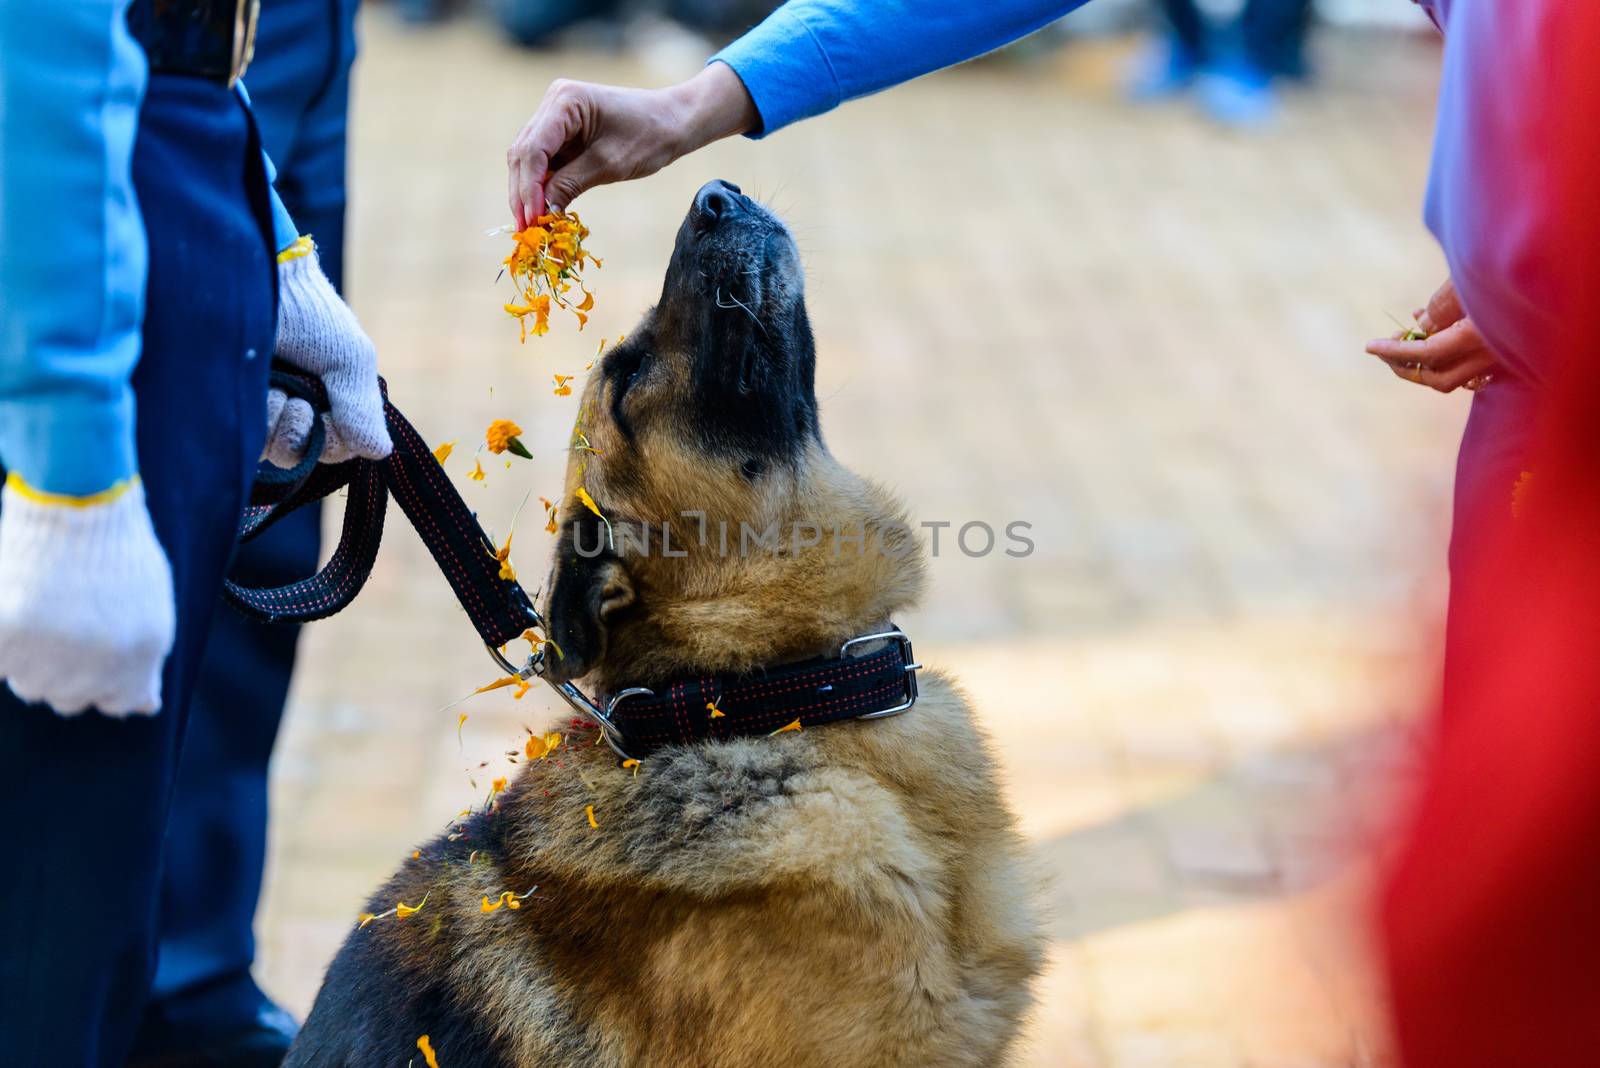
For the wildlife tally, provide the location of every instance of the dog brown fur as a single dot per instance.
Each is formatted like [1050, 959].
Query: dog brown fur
[854, 894]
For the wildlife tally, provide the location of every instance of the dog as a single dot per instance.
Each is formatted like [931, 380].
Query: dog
[854, 893]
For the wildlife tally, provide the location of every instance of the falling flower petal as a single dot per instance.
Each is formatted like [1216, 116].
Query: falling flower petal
[716, 713]
[546, 261]
[794, 726]
[540, 746]
[402, 910]
[460, 722]
[634, 764]
[501, 436]
[508, 899]
[503, 554]
[427, 1051]
[442, 451]
[364, 919]
[563, 387]
[476, 474]
[588, 810]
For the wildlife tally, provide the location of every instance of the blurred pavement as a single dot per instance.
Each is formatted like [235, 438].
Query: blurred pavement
[1139, 334]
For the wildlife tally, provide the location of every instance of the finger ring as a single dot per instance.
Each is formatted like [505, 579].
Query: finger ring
[1480, 381]
[1416, 373]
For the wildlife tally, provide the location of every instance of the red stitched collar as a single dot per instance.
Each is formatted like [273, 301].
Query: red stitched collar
[808, 693]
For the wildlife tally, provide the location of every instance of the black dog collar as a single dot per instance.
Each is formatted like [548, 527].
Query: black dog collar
[808, 693]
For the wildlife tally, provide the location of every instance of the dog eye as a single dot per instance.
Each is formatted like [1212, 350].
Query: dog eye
[631, 374]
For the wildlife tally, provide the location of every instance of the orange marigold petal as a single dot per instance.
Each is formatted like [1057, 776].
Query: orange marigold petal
[588, 501]
[402, 910]
[499, 435]
[499, 684]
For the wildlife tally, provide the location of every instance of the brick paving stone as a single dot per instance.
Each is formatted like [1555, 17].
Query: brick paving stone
[1135, 331]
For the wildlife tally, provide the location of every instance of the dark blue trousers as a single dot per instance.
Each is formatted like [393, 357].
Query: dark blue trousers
[217, 839]
[85, 799]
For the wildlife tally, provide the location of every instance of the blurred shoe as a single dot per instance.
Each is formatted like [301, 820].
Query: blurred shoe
[261, 1043]
[1163, 69]
[1237, 96]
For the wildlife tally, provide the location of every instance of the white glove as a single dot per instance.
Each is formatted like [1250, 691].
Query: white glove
[86, 604]
[289, 430]
[318, 333]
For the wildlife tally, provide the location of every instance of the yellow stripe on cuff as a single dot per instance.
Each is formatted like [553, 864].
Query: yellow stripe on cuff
[303, 246]
[16, 485]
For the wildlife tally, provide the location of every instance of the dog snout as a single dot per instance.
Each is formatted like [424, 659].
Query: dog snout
[717, 200]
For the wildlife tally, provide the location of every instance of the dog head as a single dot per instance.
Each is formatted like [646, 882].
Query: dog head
[722, 534]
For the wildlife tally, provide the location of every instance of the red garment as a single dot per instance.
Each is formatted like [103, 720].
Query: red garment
[1491, 917]
[1491, 921]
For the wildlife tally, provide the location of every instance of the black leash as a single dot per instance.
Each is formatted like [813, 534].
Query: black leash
[499, 608]
[636, 721]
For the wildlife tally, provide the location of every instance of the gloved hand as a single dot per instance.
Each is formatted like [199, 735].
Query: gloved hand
[318, 333]
[86, 604]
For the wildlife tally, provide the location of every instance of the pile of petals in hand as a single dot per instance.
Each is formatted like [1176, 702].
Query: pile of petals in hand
[545, 265]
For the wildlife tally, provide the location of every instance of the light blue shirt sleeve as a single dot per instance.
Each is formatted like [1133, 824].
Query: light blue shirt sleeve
[810, 56]
[73, 257]
[284, 231]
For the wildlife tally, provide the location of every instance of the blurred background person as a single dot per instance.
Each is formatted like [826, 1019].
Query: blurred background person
[205, 1007]
[534, 22]
[1230, 66]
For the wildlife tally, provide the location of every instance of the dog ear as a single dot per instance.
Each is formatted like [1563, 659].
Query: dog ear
[588, 588]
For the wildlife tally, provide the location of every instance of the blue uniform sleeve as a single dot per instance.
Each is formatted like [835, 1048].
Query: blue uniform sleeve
[73, 257]
[284, 231]
[810, 56]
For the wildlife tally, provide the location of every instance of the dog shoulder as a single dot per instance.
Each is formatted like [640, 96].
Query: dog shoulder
[392, 983]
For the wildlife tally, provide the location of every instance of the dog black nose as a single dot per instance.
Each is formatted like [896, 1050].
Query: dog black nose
[716, 200]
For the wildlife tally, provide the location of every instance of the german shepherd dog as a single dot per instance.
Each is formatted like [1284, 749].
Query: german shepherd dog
[850, 894]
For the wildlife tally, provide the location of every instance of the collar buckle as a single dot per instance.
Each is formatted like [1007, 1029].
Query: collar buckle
[911, 669]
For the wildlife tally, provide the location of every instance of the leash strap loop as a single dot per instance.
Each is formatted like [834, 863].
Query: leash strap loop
[499, 608]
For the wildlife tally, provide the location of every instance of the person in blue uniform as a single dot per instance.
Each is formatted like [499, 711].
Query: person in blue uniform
[145, 267]
[205, 1006]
